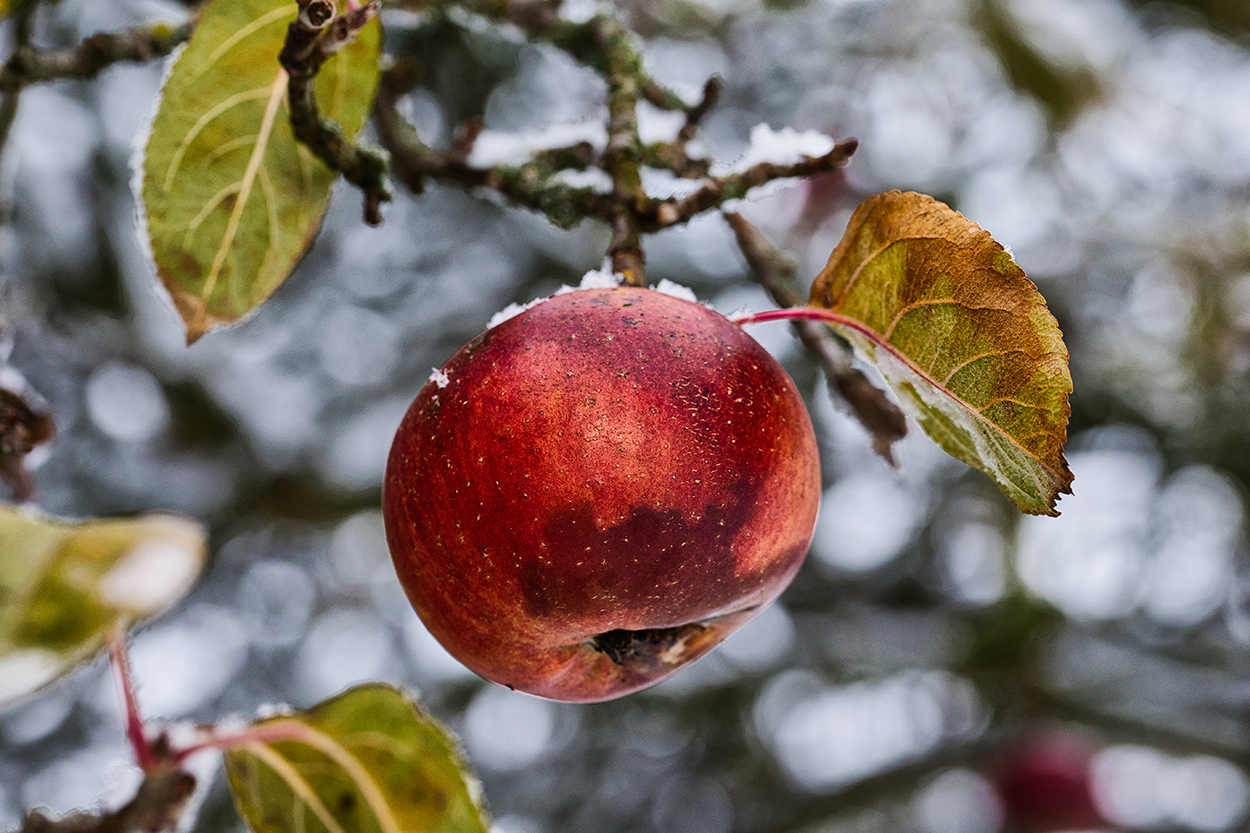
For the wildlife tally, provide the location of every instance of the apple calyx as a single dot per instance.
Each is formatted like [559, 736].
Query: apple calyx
[650, 647]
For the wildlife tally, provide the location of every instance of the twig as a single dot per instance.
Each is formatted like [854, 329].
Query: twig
[606, 46]
[23, 24]
[85, 60]
[620, 158]
[315, 35]
[776, 273]
[531, 185]
[718, 190]
[675, 155]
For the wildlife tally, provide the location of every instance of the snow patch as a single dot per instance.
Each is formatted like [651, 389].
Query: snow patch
[495, 147]
[440, 377]
[511, 311]
[265, 711]
[676, 290]
[594, 279]
[780, 147]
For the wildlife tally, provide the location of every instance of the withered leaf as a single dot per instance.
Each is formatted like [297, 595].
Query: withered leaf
[964, 339]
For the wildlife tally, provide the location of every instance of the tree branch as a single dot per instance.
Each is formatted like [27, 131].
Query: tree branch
[621, 157]
[87, 59]
[157, 806]
[675, 156]
[315, 35]
[776, 273]
[718, 190]
[532, 185]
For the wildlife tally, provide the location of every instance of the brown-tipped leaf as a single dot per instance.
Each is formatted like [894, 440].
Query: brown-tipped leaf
[962, 336]
[232, 201]
[365, 761]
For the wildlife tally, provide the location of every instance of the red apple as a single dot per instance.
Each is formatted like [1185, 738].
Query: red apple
[1045, 784]
[601, 489]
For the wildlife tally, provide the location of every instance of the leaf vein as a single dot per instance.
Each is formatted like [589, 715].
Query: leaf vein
[194, 225]
[206, 119]
[229, 43]
[299, 786]
[978, 357]
[859, 270]
[226, 147]
[245, 188]
[360, 776]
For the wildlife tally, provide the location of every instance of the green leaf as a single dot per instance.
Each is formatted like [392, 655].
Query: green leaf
[962, 336]
[64, 586]
[232, 201]
[366, 761]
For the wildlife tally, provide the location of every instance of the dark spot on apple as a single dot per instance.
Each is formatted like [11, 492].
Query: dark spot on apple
[583, 572]
[649, 648]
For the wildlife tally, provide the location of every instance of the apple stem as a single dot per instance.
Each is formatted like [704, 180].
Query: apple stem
[797, 314]
[808, 314]
[136, 734]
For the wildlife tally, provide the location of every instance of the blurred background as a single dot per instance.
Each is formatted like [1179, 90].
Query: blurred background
[941, 664]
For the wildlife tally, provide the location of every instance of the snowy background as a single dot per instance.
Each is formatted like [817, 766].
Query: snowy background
[1106, 142]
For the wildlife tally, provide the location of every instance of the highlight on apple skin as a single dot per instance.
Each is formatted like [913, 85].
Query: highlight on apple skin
[594, 493]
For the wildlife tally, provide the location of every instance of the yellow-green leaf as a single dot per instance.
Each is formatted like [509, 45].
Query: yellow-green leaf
[366, 761]
[64, 586]
[962, 336]
[232, 201]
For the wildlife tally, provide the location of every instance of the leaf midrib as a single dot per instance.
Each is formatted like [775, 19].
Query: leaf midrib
[877, 339]
[882, 340]
[835, 318]
[245, 192]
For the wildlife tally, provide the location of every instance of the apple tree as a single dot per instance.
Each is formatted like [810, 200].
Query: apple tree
[270, 120]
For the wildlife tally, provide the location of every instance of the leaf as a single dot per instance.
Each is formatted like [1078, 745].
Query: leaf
[232, 201]
[64, 586]
[962, 336]
[366, 761]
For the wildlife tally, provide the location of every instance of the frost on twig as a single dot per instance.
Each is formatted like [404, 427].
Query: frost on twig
[538, 177]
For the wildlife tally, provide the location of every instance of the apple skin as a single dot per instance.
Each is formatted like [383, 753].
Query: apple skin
[606, 487]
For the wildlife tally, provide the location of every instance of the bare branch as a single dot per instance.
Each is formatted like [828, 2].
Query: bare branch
[719, 190]
[776, 273]
[87, 59]
[532, 185]
[315, 35]
[157, 806]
